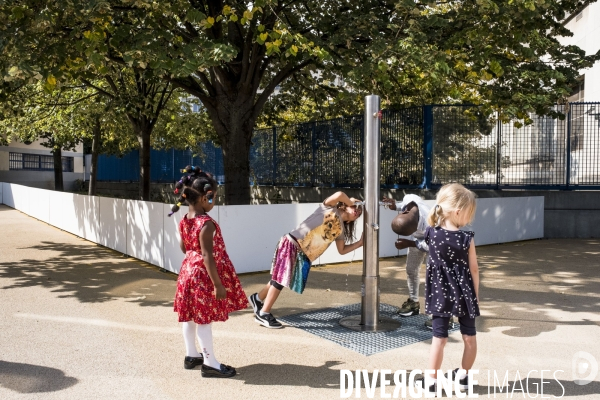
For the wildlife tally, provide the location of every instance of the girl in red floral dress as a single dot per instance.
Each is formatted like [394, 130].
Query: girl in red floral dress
[208, 288]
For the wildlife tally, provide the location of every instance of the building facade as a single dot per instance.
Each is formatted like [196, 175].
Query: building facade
[33, 165]
[585, 26]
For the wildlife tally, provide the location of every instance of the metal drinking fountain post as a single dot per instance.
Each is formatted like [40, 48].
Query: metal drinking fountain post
[369, 319]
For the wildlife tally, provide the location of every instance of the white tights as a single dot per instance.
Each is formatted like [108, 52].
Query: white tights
[204, 333]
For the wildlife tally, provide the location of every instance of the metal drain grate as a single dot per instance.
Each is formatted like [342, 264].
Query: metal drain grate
[324, 323]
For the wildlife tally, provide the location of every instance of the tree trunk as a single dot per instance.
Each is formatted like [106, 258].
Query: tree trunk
[94, 164]
[58, 173]
[234, 125]
[144, 139]
[236, 160]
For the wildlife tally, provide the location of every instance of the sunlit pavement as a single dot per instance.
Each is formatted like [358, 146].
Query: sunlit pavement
[81, 321]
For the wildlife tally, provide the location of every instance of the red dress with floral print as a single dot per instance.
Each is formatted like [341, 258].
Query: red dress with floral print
[195, 299]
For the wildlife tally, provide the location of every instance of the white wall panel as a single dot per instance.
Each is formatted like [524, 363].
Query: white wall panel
[251, 232]
[81, 213]
[7, 195]
[87, 209]
[172, 254]
[20, 198]
[62, 212]
[39, 204]
[387, 237]
[112, 227]
[508, 219]
[145, 231]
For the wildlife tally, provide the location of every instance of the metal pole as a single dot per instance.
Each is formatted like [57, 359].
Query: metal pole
[370, 283]
[369, 319]
[427, 147]
[567, 111]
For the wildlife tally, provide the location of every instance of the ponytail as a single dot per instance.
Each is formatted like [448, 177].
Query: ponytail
[435, 216]
[195, 184]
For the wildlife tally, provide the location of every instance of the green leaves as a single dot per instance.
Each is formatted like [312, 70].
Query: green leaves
[504, 56]
[207, 23]
[496, 68]
[193, 15]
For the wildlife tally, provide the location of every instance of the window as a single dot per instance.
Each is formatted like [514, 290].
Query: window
[67, 164]
[578, 91]
[577, 117]
[579, 16]
[15, 161]
[31, 161]
[47, 163]
[35, 162]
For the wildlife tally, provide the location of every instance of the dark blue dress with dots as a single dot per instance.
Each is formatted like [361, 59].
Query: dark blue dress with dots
[449, 286]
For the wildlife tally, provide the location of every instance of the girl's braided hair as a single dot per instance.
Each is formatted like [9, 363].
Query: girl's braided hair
[194, 184]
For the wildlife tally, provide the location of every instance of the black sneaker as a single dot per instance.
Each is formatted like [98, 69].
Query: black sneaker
[429, 323]
[462, 383]
[256, 303]
[409, 307]
[268, 321]
[192, 362]
[224, 372]
[420, 383]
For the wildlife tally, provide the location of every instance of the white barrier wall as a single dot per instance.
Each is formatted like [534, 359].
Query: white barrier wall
[143, 229]
[7, 195]
[112, 223]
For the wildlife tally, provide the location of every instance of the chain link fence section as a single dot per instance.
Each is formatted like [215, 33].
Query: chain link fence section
[421, 147]
[584, 144]
[534, 154]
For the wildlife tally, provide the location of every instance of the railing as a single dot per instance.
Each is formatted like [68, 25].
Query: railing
[421, 147]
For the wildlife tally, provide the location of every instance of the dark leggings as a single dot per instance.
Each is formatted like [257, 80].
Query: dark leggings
[276, 285]
[440, 326]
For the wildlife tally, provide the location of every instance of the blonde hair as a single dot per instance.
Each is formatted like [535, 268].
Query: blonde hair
[450, 198]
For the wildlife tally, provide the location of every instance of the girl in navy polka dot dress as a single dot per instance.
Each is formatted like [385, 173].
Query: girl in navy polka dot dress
[452, 279]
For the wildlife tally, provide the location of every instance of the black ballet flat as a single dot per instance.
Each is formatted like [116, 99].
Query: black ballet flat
[224, 372]
[192, 362]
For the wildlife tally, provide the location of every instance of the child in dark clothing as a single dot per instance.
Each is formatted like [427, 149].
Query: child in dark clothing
[452, 279]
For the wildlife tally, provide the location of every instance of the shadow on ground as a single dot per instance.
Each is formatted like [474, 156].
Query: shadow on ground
[527, 288]
[28, 378]
[90, 274]
[291, 375]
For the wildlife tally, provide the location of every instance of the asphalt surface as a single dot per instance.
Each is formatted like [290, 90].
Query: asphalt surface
[82, 321]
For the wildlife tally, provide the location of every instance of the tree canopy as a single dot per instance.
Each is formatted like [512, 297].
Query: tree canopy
[232, 55]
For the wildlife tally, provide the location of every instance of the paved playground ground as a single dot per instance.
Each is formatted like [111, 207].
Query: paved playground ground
[79, 321]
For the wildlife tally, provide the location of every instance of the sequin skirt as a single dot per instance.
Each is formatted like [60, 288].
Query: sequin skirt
[290, 265]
